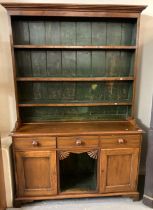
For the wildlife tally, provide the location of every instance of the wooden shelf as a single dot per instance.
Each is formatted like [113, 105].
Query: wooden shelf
[115, 47]
[73, 128]
[74, 104]
[70, 79]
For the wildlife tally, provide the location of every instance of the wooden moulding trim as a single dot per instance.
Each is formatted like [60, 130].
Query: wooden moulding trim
[148, 202]
[115, 47]
[71, 79]
[74, 7]
[18, 134]
[72, 14]
[74, 104]
[148, 197]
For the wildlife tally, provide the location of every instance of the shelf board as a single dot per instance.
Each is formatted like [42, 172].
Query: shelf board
[73, 128]
[69, 79]
[74, 104]
[115, 47]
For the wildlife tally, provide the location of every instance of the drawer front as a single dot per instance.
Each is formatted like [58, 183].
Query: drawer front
[78, 141]
[33, 143]
[119, 141]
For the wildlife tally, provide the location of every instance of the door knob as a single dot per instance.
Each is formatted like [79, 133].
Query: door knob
[78, 142]
[121, 141]
[35, 143]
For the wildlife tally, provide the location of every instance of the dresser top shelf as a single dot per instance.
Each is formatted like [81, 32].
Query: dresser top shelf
[76, 128]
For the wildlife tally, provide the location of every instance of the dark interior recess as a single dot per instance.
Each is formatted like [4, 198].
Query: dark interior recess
[78, 172]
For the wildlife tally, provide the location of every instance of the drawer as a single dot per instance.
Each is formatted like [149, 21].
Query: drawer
[34, 143]
[78, 141]
[119, 141]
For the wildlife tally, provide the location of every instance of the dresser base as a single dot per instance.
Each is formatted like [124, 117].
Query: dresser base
[21, 200]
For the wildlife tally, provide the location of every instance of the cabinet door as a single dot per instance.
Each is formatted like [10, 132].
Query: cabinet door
[119, 170]
[36, 173]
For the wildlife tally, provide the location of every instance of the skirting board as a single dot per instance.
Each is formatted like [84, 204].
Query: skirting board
[148, 201]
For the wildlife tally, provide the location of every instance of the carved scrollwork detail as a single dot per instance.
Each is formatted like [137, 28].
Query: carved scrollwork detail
[93, 154]
[63, 155]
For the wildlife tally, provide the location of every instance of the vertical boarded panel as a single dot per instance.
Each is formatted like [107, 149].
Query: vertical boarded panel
[93, 113]
[126, 34]
[89, 91]
[75, 91]
[34, 114]
[83, 63]
[54, 91]
[97, 93]
[68, 63]
[20, 32]
[37, 32]
[23, 63]
[52, 32]
[68, 33]
[125, 91]
[102, 91]
[132, 62]
[25, 91]
[98, 63]
[111, 92]
[114, 33]
[83, 91]
[44, 91]
[125, 62]
[68, 91]
[122, 112]
[37, 91]
[134, 33]
[129, 111]
[110, 112]
[38, 59]
[83, 33]
[40, 91]
[112, 63]
[54, 63]
[98, 33]
[130, 92]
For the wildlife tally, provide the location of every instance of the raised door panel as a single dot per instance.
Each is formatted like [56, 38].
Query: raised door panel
[119, 170]
[36, 173]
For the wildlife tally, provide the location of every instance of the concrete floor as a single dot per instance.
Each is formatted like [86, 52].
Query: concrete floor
[86, 204]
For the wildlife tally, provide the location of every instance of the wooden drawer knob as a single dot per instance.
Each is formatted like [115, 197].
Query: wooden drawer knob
[78, 142]
[121, 141]
[35, 143]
